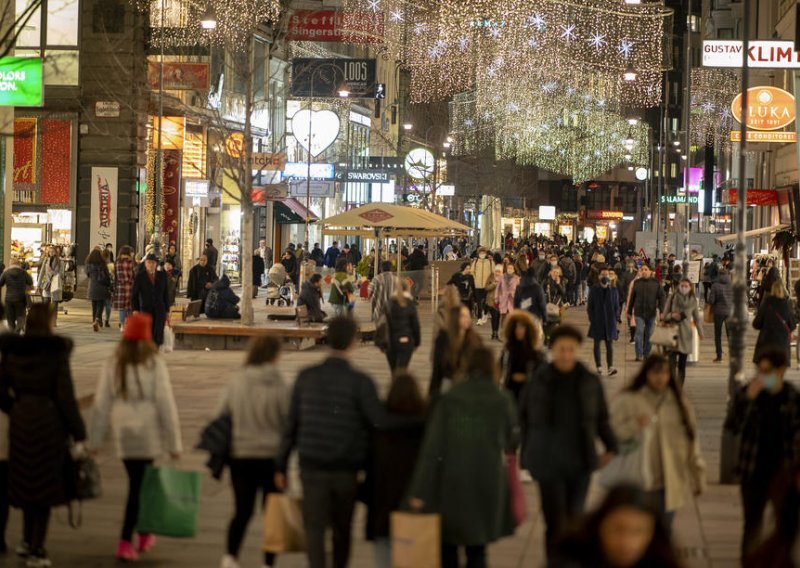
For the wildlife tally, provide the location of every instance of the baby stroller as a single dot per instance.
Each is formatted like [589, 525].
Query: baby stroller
[280, 291]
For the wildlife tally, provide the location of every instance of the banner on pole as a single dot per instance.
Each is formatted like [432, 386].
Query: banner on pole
[103, 226]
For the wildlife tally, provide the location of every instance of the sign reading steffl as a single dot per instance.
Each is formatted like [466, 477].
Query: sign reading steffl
[768, 108]
[763, 54]
[21, 81]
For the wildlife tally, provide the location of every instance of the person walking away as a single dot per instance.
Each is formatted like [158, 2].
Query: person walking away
[342, 289]
[332, 413]
[257, 401]
[580, 278]
[507, 292]
[766, 413]
[331, 255]
[51, 277]
[449, 300]
[99, 286]
[562, 414]
[471, 429]
[172, 283]
[201, 279]
[108, 258]
[150, 295]
[17, 283]
[628, 309]
[404, 331]
[529, 296]
[394, 455]
[465, 283]
[134, 396]
[311, 297]
[38, 395]
[381, 289]
[451, 349]
[417, 261]
[258, 268]
[318, 256]
[625, 532]
[212, 254]
[655, 401]
[603, 309]
[775, 321]
[123, 279]
[720, 298]
[644, 303]
[482, 270]
[492, 306]
[522, 353]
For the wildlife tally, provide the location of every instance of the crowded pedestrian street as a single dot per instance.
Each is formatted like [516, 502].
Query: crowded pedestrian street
[707, 531]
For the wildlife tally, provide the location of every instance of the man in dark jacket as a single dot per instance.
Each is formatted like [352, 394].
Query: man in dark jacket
[201, 277]
[317, 255]
[647, 298]
[150, 294]
[404, 331]
[766, 413]
[417, 261]
[530, 297]
[562, 414]
[331, 255]
[332, 413]
[465, 283]
[221, 302]
[17, 283]
[311, 298]
[289, 262]
[720, 297]
[211, 253]
[603, 309]
[258, 271]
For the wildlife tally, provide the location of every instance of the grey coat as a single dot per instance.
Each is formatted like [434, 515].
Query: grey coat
[689, 311]
[51, 266]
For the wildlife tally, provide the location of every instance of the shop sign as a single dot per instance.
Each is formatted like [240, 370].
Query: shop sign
[755, 197]
[367, 176]
[334, 26]
[234, 144]
[598, 214]
[763, 54]
[299, 170]
[328, 77]
[768, 108]
[106, 109]
[179, 76]
[103, 206]
[679, 199]
[446, 190]
[765, 136]
[21, 81]
[321, 127]
[271, 161]
[269, 192]
[419, 163]
[547, 212]
[195, 188]
[316, 189]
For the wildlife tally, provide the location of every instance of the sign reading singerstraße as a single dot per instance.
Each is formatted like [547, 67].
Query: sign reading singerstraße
[21, 81]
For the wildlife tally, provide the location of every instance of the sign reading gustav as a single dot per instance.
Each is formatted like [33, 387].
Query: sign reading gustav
[21, 81]
[328, 77]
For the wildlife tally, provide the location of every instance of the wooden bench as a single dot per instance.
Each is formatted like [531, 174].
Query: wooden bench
[229, 334]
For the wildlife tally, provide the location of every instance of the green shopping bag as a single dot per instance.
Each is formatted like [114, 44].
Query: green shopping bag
[168, 502]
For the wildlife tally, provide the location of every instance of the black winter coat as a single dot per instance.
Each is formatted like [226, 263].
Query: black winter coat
[99, 282]
[258, 269]
[17, 283]
[199, 276]
[776, 321]
[603, 309]
[647, 298]
[221, 301]
[152, 298]
[403, 322]
[311, 299]
[530, 297]
[37, 393]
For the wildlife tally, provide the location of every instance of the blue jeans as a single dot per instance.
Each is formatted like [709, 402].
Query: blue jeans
[644, 330]
[383, 552]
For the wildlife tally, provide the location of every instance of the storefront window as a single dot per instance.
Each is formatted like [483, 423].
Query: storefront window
[62, 22]
[53, 24]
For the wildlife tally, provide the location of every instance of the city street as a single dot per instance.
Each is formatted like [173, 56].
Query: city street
[707, 530]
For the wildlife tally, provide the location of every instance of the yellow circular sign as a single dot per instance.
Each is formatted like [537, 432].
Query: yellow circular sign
[768, 108]
[234, 144]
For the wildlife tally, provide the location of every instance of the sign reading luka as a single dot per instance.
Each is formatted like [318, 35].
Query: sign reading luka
[21, 81]
[768, 108]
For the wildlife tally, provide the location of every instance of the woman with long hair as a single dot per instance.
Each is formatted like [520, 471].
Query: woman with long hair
[625, 532]
[451, 349]
[134, 395]
[37, 394]
[507, 289]
[449, 299]
[404, 332]
[683, 310]
[654, 411]
[775, 321]
[99, 286]
[123, 283]
[51, 276]
[522, 352]
[257, 400]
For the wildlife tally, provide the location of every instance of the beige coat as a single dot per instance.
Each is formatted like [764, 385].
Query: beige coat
[682, 466]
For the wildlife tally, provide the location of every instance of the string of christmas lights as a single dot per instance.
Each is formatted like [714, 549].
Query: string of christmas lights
[712, 93]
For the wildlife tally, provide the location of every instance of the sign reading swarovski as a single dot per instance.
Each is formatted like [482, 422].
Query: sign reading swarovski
[367, 176]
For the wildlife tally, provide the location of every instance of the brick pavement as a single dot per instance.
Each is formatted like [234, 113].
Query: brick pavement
[707, 530]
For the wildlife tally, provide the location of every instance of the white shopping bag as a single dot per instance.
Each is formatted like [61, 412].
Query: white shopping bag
[694, 356]
[169, 340]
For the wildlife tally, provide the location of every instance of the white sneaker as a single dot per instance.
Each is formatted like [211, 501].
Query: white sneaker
[612, 371]
[599, 371]
[228, 561]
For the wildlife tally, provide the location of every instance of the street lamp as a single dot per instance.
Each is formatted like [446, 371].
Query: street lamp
[209, 19]
[408, 126]
[630, 74]
[344, 93]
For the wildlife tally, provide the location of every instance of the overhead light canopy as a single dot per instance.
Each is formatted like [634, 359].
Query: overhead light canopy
[209, 19]
[630, 74]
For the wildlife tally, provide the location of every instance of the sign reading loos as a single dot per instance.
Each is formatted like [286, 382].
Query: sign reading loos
[21, 81]
[763, 54]
[768, 108]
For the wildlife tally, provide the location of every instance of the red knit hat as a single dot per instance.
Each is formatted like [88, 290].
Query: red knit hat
[138, 327]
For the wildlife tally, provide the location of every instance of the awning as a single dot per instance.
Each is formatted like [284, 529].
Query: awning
[289, 211]
[753, 233]
[397, 220]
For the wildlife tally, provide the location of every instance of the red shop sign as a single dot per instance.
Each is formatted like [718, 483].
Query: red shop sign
[603, 214]
[179, 76]
[754, 196]
[334, 26]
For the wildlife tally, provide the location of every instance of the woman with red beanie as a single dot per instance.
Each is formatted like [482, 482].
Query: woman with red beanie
[135, 395]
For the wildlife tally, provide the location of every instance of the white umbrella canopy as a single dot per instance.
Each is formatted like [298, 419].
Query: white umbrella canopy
[392, 220]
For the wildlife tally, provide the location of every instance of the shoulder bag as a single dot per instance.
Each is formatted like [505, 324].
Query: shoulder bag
[665, 334]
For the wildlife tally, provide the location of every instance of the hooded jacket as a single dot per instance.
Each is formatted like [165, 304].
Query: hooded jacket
[17, 282]
[221, 301]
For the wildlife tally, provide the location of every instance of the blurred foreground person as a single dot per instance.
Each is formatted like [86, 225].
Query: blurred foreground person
[404, 331]
[37, 393]
[781, 549]
[451, 350]
[134, 395]
[625, 532]
[775, 321]
[461, 471]
[522, 354]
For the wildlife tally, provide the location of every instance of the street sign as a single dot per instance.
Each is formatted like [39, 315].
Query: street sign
[330, 77]
[269, 192]
[366, 176]
[21, 81]
[272, 161]
[317, 188]
[335, 26]
[106, 109]
[319, 170]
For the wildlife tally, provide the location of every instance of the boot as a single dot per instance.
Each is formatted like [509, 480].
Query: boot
[125, 551]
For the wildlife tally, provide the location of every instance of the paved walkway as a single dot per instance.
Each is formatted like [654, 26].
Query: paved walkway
[707, 530]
